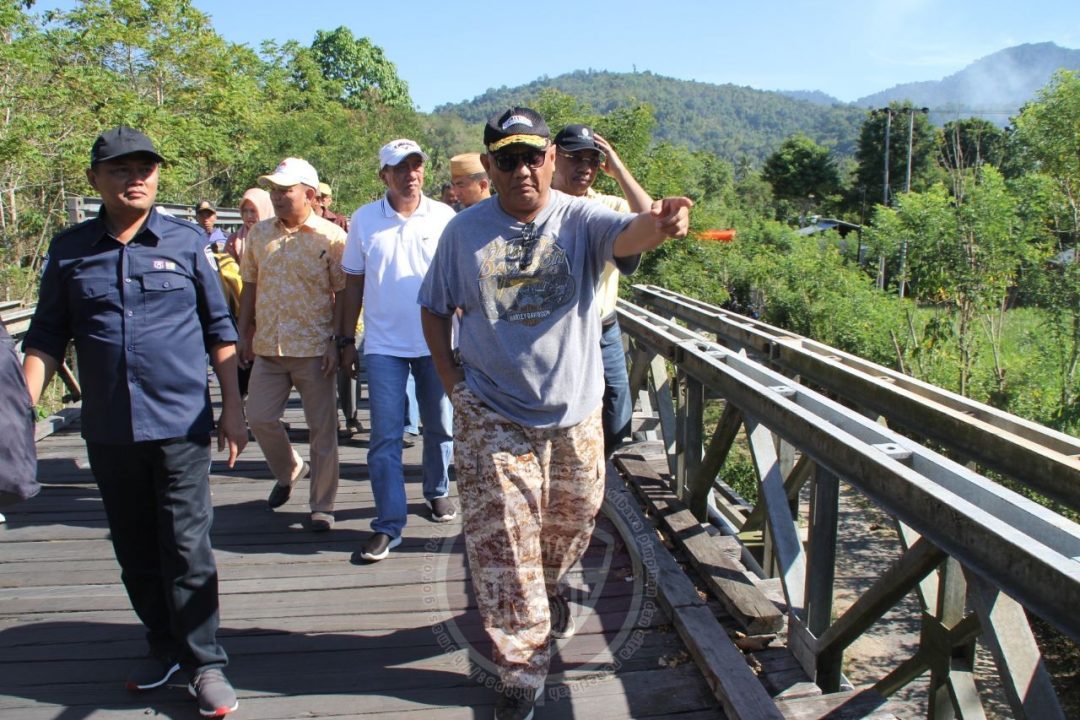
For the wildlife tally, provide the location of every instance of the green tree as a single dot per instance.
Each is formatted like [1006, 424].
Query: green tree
[971, 143]
[801, 168]
[1048, 131]
[964, 253]
[358, 70]
[871, 151]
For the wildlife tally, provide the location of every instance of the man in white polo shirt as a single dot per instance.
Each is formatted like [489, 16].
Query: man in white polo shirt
[390, 245]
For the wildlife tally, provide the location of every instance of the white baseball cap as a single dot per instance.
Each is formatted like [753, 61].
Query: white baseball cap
[395, 151]
[292, 171]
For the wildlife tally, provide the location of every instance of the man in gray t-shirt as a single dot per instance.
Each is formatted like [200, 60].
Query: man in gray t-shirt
[520, 269]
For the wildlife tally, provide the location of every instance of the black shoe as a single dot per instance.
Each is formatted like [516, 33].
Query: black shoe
[562, 621]
[279, 495]
[517, 703]
[322, 521]
[151, 671]
[378, 547]
[442, 509]
[215, 694]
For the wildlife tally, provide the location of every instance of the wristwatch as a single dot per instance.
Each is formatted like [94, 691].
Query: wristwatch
[345, 340]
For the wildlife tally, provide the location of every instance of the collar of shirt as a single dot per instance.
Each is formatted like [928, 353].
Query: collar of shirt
[153, 223]
[421, 209]
[305, 224]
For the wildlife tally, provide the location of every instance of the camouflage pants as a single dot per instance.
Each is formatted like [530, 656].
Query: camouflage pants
[529, 499]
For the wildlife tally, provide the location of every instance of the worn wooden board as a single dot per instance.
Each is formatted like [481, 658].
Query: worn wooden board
[855, 704]
[311, 630]
[739, 691]
[726, 577]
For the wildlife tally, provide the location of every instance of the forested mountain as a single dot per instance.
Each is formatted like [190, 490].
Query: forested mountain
[732, 121]
[741, 122]
[994, 87]
[815, 96]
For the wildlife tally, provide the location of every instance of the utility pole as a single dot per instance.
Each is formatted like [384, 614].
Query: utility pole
[888, 129]
[885, 200]
[907, 189]
[910, 135]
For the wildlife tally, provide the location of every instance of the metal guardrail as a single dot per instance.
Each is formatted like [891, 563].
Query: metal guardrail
[968, 546]
[1040, 457]
[85, 207]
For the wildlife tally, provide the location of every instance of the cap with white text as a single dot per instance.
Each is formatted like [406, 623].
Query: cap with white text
[395, 151]
[516, 126]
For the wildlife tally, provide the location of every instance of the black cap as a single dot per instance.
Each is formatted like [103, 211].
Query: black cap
[577, 137]
[205, 205]
[121, 141]
[516, 126]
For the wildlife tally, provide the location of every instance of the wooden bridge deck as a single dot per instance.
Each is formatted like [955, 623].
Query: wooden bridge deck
[312, 631]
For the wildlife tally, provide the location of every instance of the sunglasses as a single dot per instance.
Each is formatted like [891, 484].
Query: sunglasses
[591, 160]
[508, 162]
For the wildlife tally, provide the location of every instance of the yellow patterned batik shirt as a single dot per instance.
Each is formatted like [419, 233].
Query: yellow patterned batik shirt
[296, 272]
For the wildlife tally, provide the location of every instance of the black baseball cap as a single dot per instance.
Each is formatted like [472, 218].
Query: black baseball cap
[121, 141]
[516, 126]
[577, 137]
[205, 206]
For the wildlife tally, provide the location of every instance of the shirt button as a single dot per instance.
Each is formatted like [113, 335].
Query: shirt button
[127, 280]
[165, 284]
[130, 313]
[131, 348]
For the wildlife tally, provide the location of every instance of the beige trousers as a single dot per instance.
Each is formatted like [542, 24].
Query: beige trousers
[272, 378]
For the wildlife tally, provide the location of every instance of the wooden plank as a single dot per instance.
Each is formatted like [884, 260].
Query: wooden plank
[782, 530]
[700, 485]
[793, 483]
[664, 402]
[1023, 674]
[690, 435]
[852, 705]
[642, 694]
[726, 577]
[311, 631]
[723, 665]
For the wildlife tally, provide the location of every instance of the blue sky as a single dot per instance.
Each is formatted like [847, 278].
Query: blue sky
[453, 51]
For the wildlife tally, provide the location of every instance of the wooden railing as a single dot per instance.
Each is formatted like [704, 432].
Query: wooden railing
[977, 554]
[16, 320]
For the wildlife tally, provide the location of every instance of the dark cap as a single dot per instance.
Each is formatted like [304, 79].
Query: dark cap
[577, 137]
[121, 141]
[516, 126]
[205, 206]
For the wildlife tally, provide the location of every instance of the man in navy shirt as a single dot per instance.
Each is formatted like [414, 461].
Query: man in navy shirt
[138, 293]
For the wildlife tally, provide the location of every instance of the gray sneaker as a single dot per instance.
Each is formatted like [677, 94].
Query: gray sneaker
[214, 693]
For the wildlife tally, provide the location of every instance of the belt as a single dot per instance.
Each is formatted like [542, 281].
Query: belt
[608, 322]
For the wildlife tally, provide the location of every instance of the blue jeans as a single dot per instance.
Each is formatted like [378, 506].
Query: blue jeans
[412, 412]
[618, 407]
[387, 377]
